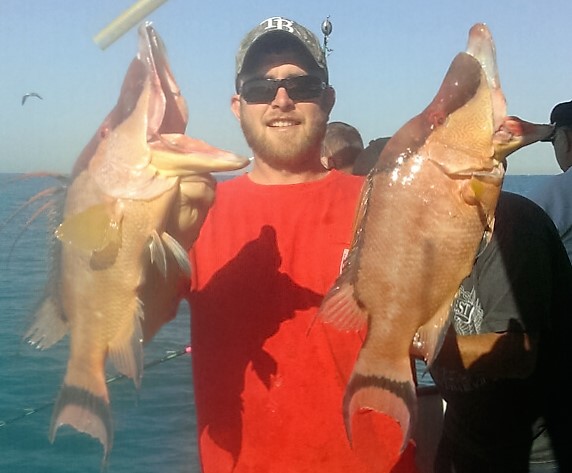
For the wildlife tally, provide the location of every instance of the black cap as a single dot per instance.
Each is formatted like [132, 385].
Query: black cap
[561, 114]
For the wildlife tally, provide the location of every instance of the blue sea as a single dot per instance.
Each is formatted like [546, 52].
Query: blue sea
[155, 429]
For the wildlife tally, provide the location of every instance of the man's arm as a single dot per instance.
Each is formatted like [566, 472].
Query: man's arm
[493, 355]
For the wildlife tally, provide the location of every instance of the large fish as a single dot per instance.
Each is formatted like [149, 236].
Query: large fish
[426, 206]
[113, 238]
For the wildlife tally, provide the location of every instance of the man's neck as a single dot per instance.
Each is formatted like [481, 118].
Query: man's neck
[262, 173]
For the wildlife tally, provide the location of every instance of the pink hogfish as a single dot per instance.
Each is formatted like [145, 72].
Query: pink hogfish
[113, 235]
[426, 206]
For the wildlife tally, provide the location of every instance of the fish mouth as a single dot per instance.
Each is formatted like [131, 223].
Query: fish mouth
[168, 112]
[172, 152]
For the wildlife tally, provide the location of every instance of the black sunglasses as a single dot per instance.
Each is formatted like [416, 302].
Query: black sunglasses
[300, 89]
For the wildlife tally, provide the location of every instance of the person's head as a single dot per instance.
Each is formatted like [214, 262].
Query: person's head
[561, 118]
[341, 146]
[367, 159]
[283, 99]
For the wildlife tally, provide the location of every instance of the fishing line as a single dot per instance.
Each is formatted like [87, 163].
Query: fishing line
[169, 356]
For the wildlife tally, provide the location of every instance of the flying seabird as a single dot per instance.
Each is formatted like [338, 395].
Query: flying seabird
[30, 94]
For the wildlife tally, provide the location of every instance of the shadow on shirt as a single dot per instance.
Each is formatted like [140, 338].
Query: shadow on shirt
[230, 337]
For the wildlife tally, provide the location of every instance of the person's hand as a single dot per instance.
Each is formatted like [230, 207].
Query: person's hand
[418, 348]
[426, 343]
[196, 195]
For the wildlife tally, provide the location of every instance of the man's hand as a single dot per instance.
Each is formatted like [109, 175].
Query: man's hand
[196, 195]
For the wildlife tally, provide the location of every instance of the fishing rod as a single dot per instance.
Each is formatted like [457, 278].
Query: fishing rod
[171, 354]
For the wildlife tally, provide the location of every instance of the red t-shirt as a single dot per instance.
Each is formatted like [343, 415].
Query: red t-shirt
[269, 380]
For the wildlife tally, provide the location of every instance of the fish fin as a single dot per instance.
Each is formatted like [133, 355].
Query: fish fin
[488, 235]
[126, 349]
[381, 393]
[477, 192]
[340, 305]
[341, 309]
[86, 413]
[49, 325]
[94, 229]
[429, 337]
[157, 253]
[179, 253]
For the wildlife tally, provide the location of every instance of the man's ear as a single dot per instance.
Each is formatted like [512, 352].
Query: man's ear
[235, 106]
[568, 137]
[329, 99]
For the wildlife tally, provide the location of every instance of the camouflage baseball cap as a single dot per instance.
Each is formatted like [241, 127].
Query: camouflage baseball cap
[283, 26]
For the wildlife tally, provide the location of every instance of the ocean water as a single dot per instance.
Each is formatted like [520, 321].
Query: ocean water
[155, 429]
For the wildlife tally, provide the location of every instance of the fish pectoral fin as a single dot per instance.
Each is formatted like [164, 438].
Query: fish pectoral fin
[91, 230]
[178, 252]
[126, 348]
[157, 253]
[477, 191]
[429, 337]
[49, 325]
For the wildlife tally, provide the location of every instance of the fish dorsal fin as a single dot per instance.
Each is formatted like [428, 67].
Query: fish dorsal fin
[340, 305]
[92, 230]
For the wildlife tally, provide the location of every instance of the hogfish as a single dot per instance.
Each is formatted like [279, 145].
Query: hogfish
[425, 208]
[113, 235]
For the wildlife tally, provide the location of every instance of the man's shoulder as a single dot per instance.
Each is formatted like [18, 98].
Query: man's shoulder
[517, 207]
[353, 178]
[517, 216]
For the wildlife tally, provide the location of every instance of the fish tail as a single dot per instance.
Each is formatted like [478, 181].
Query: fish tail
[85, 412]
[378, 393]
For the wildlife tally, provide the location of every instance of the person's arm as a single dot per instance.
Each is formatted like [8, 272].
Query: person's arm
[492, 355]
[513, 284]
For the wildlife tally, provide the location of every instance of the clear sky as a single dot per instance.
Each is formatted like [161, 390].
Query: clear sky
[386, 64]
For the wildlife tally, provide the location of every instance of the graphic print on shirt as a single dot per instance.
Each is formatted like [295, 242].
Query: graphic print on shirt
[467, 312]
[467, 320]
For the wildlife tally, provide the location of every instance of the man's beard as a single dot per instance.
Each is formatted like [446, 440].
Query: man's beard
[290, 152]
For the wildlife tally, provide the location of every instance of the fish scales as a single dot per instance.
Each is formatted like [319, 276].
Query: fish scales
[426, 206]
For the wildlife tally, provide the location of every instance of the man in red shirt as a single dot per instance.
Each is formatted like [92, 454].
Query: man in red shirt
[268, 378]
